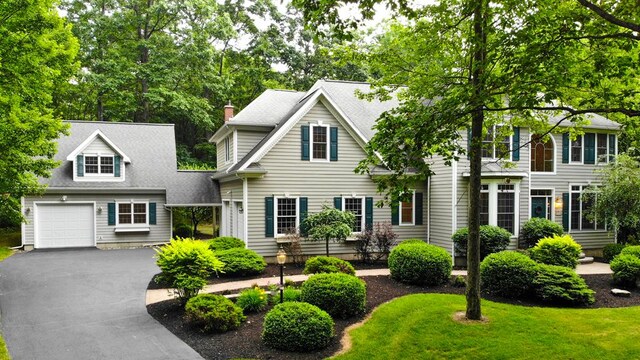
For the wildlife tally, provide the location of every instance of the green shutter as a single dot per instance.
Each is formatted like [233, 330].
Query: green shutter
[565, 211]
[111, 210]
[468, 143]
[589, 148]
[368, 212]
[516, 144]
[80, 165]
[305, 142]
[337, 203]
[302, 214]
[116, 166]
[612, 146]
[268, 216]
[152, 213]
[565, 148]
[333, 150]
[418, 208]
[395, 215]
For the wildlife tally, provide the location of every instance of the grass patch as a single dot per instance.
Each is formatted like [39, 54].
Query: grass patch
[421, 326]
[4, 353]
[8, 238]
[206, 229]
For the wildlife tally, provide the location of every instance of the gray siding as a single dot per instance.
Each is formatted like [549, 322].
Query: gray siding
[247, 140]
[441, 209]
[320, 182]
[222, 164]
[98, 146]
[105, 234]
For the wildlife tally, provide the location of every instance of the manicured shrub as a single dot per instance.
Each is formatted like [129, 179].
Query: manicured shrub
[538, 228]
[327, 264]
[186, 264]
[412, 241]
[288, 294]
[213, 313]
[493, 239]
[225, 243]
[252, 300]
[182, 230]
[459, 281]
[557, 250]
[633, 250]
[626, 269]
[241, 262]
[611, 250]
[339, 294]
[297, 326]
[508, 274]
[420, 263]
[561, 285]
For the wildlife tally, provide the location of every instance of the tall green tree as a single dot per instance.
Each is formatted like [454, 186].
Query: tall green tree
[37, 52]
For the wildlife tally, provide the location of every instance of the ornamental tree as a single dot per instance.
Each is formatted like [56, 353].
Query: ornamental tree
[329, 224]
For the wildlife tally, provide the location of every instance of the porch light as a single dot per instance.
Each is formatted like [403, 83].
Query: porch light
[63, 198]
[281, 256]
[558, 202]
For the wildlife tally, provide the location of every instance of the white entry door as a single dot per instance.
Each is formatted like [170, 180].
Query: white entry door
[64, 225]
[238, 220]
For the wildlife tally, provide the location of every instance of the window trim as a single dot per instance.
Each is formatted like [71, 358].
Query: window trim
[99, 165]
[327, 143]
[493, 202]
[227, 149]
[595, 221]
[493, 144]
[608, 155]
[363, 210]
[132, 225]
[582, 149]
[413, 211]
[555, 161]
[275, 214]
[553, 196]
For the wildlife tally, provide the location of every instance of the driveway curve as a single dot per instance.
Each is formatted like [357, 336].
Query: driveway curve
[83, 304]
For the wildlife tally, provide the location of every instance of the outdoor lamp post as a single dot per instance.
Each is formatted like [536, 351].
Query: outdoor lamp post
[281, 256]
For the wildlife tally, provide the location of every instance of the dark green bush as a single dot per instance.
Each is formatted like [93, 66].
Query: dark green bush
[186, 264]
[420, 263]
[493, 239]
[339, 294]
[508, 274]
[252, 300]
[633, 250]
[241, 262]
[611, 250]
[561, 285]
[182, 230]
[557, 250]
[213, 313]
[626, 269]
[328, 264]
[225, 243]
[288, 294]
[459, 281]
[538, 228]
[297, 326]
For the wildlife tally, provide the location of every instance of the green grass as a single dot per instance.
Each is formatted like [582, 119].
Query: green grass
[421, 326]
[205, 229]
[4, 353]
[8, 238]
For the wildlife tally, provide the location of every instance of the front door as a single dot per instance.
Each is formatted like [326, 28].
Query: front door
[539, 207]
[238, 220]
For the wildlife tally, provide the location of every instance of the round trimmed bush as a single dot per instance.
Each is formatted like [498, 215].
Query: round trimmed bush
[561, 285]
[611, 250]
[225, 243]
[493, 239]
[508, 274]
[557, 250]
[538, 228]
[327, 264]
[339, 294]
[420, 263]
[288, 294]
[252, 300]
[213, 313]
[241, 262]
[182, 230]
[626, 269]
[297, 326]
[633, 250]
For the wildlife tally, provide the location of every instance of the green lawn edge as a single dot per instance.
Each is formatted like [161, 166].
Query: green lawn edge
[421, 326]
[8, 238]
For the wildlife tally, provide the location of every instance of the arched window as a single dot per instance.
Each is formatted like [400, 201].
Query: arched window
[541, 154]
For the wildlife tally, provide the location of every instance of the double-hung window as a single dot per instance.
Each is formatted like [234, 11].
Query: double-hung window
[495, 146]
[319, 142]
[542, 154]
[132, 213]
[583, 199]
[407, 211]
[97, 164]
[355, 205]
[576, 150]
[227, 149]
[286, 215]
[605, 148]
[498, 205]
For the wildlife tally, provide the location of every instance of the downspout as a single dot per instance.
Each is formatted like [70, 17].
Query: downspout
[245, 205]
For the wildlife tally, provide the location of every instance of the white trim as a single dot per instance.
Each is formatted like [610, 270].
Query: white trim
[493, 144]
[428, 209]
[35, 218]
[413, 209]
[582, 149]
[245, 200]
[223, 218]
[295, 118]
[120, 227]
[454, 209]
[235, 146]
[275, 214]
[227, 149]
[555, 161]
[328, 142]
[493, 202]
[595, 223]
[89, 140]
[363, 214]
[23, 224]
[170, 221]
[553, 198]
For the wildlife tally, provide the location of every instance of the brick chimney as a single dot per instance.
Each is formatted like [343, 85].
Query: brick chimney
[228, 112]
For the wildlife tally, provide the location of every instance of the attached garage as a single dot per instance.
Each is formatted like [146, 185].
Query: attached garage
[64, 225]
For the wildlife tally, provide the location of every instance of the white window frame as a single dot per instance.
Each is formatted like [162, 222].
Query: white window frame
[493, 202]
[493, 144]
[277, 199]
[99, 173]
[555, 161]
[595, 221]
[132, 224]
[413, 210]
[581, 162]
[364, 215]
[608, 155]
[311, 143]
[553, 196]
[227, 149]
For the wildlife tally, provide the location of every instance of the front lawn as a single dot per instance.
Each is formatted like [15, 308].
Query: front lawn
[421, 326]
[8, 238]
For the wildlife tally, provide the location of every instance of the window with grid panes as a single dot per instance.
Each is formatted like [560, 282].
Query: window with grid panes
[286, 215]
[98, 164]
[484, 204]
[406, 212]
[576, 149]
[541, 154]
[355, 206]
[602, 148]
[583, 198]
[506, 207]
[494, 148]
[320, 142]
[132, 213]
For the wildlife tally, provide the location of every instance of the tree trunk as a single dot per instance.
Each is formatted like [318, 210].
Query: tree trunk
[100, 109]
[474, 311]
[327, 244]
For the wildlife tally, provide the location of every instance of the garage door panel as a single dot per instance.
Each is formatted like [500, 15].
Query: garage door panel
[65, 225]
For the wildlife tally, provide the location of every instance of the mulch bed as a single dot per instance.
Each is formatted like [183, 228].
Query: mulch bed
[245, 342]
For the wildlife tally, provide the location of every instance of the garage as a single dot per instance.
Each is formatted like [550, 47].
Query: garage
[64, 225]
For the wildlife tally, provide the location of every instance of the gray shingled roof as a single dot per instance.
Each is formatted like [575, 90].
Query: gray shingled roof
[152, 150]
[268, 109]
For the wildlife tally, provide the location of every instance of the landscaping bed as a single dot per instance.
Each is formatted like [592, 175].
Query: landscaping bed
[245, 342]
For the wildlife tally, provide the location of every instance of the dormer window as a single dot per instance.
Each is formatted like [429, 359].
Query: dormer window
[98, 159]
[98, 165]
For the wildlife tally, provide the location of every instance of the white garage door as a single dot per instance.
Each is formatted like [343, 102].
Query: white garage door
[64, 225]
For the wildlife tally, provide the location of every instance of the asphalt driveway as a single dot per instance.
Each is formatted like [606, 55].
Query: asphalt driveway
[82, 304]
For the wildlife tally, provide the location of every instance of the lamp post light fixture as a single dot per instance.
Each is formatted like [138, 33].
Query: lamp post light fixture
[281, 256]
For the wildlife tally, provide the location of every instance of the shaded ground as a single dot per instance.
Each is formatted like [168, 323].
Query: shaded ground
[245, 342]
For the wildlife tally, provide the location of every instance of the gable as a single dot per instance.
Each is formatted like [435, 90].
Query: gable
[99, 146]
[90, 141]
